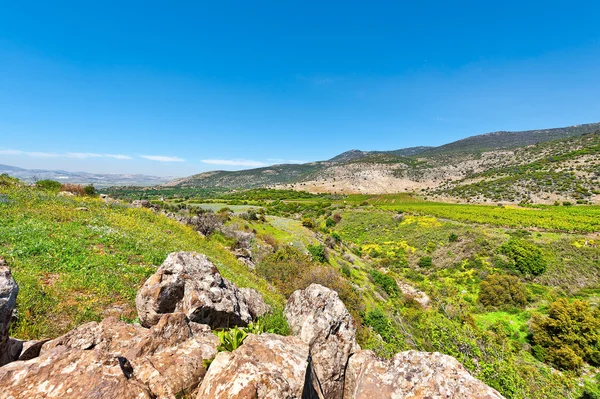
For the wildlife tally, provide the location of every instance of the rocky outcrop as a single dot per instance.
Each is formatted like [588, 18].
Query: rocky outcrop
[265, 366]
[8, 300]
[414, 375]
[168, 360]
[320, 319]
[113, 359]
[188, 282]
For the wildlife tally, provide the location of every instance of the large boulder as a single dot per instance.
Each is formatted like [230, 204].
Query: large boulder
[190, 283]
[8, 300]
[265, 366]
[412, 375]
[318, 316]
[113, 359]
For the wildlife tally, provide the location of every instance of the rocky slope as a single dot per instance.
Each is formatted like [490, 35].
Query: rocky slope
[176, 356]
[439, 170]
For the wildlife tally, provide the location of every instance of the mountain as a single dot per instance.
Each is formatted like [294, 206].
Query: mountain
[442, 171]
[98, 180]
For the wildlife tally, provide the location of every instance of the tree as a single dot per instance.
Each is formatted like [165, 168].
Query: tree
[500, 291]
[569, 335]
[89, 190]
[526, 257]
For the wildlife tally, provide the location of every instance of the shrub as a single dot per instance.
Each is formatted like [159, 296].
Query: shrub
[425, 261]
[318, 252]
[249, 215]
[308, 223]
[73, 188]
[329, 223]
[569, 335]
[500, 291]
[206, 222]
[89, 190]
[387, 283]
[453, 237]
[50, 185]
[525, 256]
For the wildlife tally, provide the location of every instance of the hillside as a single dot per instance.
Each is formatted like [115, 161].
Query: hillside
[439, 170]
[478, 283]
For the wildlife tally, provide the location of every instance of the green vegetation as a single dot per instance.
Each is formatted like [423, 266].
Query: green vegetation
[569, 335]
[524, 256]
[511, 292]
[502, 291]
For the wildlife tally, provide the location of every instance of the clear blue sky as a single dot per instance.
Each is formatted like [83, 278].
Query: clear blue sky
[194, 86]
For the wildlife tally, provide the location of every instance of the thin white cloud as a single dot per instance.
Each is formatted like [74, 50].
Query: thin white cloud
[162, 158]
[36, 154]
[82, 155]
[11, 152]
[117, 156]
[234, 162]
[74, 155]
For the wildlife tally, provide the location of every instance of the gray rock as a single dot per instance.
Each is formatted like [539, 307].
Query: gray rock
[320, 319]
[115, 360]
[188, 282]
[266, 366]
[8, 300]
[412, 374]
[256, 305]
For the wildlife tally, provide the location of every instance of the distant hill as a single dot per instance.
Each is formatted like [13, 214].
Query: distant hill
[507, 140]
[439, 171]
[98, 180]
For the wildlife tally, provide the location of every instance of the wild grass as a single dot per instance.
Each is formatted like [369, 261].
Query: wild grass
[79, 259]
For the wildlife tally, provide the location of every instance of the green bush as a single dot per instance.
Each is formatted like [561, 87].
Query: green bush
[329, 223]
[89, 190]
[318, 252]
[425, 261]
[453, 237]
[501, 291]
[387, 283]
[308, 222]
[569, 335]
[525, 256]
[50, 185]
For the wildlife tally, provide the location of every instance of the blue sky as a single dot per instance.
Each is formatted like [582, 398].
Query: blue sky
[175, 88]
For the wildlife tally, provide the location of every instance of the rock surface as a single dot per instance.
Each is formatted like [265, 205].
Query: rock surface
[164, 361]
[188, 282]
[8, 300]
[412, 375]
[265, 366]
[319, 318]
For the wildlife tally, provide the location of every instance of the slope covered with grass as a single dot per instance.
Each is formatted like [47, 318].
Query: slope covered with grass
[79, 259]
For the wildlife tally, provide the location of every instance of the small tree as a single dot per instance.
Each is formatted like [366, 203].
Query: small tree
[526, 257]
[500, 291]
[569, 335]
[89, 190]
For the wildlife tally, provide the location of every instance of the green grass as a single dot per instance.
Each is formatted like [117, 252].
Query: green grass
[74, 266]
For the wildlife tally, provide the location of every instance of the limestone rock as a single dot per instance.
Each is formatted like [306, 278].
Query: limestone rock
[140, 203]
[188, 282]
[8, 300]
[69, 374]
[164, 361]
[256, 305]
[265, 366]
[320, 319]
[412, 375]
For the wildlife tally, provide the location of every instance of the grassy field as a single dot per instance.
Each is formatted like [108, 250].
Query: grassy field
[78, 259]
